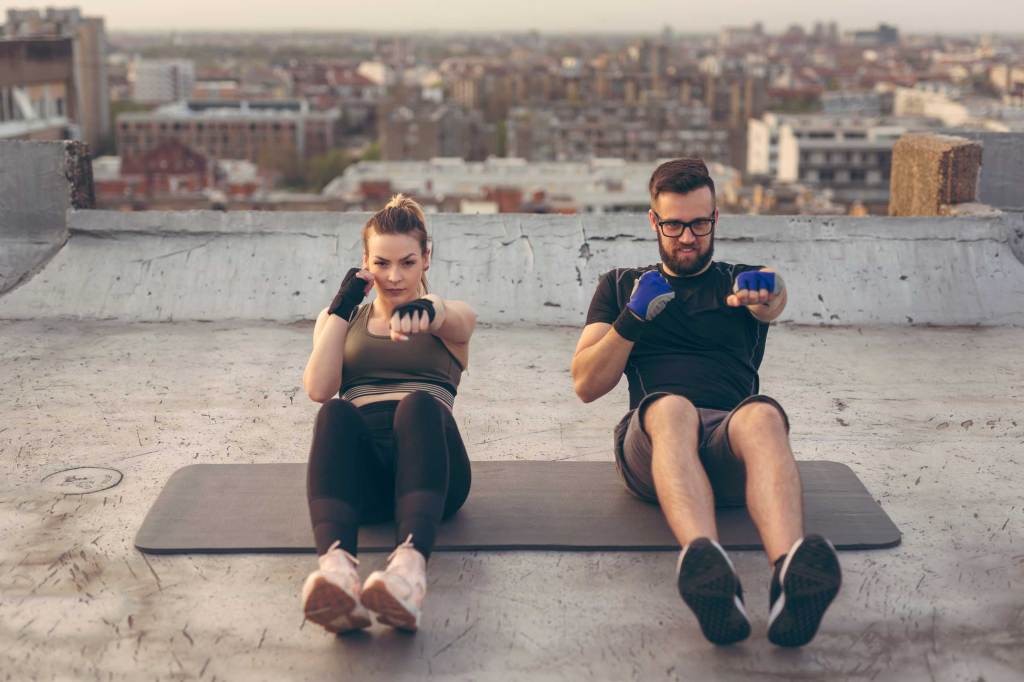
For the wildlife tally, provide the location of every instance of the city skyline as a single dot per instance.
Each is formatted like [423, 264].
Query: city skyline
[569, 16]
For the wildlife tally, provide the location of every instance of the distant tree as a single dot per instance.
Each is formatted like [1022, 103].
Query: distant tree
[289, 167]
[324, 168]
[501, 139]
[314, 174]
[372, 152]
[797, 105]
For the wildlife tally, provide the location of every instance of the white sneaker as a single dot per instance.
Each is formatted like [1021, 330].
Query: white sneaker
[396, 593]
[330, 595]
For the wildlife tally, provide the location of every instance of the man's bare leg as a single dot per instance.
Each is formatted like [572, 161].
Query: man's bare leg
[684, 491]
[805, 583]
[757, 434]
[705, 576]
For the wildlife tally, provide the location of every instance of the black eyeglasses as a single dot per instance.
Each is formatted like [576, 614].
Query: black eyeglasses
[701, 227]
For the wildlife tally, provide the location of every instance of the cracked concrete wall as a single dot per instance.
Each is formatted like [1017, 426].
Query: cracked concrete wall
[39, 182]
[539, 269]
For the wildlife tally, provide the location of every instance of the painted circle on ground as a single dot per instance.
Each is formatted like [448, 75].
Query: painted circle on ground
[82, 480]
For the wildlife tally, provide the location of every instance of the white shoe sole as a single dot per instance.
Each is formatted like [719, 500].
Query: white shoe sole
[390, 610]
[333, 608]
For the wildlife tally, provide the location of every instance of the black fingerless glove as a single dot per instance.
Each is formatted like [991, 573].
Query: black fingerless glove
[349, 296]
[412, 307]
[629, 326]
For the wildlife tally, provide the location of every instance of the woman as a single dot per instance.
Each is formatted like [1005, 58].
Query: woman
[388, 448]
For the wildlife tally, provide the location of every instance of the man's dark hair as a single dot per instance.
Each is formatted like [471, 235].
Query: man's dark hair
[681, 176]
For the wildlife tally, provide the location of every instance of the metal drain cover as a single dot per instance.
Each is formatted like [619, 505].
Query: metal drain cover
[82, 480]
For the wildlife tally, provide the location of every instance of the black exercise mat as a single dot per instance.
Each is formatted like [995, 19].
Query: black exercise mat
[512, 505]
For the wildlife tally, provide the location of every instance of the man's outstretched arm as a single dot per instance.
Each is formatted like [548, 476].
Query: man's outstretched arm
[763, 292]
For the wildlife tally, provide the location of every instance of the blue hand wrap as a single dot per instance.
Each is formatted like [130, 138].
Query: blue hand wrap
[755, 281]
[651, 294]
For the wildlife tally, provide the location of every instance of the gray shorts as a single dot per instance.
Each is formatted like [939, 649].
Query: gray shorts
[725, 470]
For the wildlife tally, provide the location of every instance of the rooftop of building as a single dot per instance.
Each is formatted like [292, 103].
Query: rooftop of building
[230, 109]
[595, 183]
[939, 448]
[149, 341]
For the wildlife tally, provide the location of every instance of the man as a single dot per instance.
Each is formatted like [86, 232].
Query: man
[689, 333]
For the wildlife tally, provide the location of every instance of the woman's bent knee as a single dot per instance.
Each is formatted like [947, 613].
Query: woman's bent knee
[418, 402]
[336, 409]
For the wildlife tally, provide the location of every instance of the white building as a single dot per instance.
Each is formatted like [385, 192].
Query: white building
[973, 113]
[160, 81]
[377, 72]
[597, 186]
[853, 103]
[851, 156]
[763, 145]
[931, 104]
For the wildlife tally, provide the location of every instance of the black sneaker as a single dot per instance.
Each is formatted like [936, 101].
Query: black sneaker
[710, 587]
[804, 583]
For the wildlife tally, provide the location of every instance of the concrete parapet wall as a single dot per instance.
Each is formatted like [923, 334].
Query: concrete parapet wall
[206, 265]
[39, 182]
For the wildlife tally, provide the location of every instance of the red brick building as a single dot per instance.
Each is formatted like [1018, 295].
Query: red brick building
[170, 168]
[266, 133]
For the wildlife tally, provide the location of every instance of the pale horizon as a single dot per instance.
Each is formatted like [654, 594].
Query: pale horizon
[569, 16]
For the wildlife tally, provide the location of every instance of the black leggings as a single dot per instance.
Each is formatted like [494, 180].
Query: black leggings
[396, 459]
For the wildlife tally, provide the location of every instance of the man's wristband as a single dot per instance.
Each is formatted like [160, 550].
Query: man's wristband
[628, 325]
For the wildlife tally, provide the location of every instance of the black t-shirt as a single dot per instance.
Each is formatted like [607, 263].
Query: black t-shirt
[697, 347]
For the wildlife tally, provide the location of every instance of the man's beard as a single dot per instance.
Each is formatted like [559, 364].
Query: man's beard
[686, 268]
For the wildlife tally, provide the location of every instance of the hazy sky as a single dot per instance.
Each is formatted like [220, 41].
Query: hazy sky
[1004, 16]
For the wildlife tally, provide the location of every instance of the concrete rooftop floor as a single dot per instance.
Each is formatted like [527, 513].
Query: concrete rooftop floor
[929, 419]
